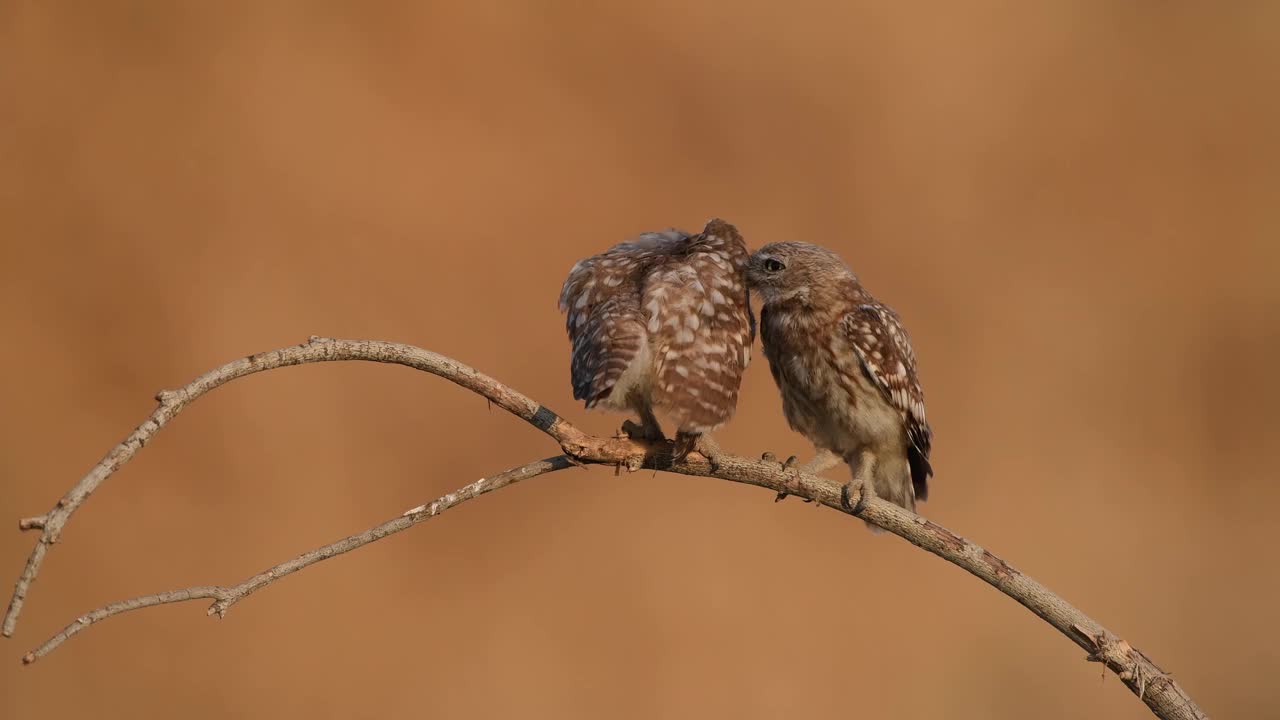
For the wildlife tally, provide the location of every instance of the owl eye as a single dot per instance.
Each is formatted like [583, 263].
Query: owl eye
[772, 265]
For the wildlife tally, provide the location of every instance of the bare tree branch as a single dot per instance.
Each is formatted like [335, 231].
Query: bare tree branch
[316, 349]
[226, 596]
[1153, 686]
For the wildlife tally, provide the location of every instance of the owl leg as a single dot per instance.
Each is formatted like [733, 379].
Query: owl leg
[769, 457]
[647, 429]
[699, 443]
[863, 465]
[824, 460]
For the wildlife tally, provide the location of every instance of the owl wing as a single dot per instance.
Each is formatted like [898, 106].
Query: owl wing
[882, 345]
[699, 322]
[601, 301]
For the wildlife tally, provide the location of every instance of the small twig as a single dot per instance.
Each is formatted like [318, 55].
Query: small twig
[316, 349]
[226, 596]
[1148, 682]
[31, 523]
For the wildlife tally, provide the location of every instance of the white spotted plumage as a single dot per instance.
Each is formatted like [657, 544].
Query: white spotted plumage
[844, 366]
[662, 323]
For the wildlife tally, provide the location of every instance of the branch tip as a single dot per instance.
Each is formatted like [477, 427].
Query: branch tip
[32, 523]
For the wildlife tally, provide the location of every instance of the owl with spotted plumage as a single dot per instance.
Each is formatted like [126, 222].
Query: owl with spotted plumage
[844, 366]
[663, 324]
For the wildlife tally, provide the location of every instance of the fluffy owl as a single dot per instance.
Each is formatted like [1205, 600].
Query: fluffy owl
[845, 369]
[663, 323]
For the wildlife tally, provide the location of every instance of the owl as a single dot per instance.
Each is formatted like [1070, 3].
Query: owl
[663, 323]
[845, 369]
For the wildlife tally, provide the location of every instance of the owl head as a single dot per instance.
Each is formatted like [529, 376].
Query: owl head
[785, 271]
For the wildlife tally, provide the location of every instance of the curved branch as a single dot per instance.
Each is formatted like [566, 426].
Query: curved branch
[1153, 686]
[316, 349]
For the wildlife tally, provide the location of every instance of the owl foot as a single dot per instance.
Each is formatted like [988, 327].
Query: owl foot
[769, 457]
[848, 502]
[643, 433]
[788, 465]
[699, 443]
[864, 469]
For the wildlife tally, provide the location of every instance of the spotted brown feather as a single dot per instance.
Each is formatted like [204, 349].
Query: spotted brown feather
[662, 322]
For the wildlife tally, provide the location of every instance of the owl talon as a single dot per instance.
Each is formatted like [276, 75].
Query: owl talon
[701, 444]
[683, 446]
[793, 483]
[769, 457]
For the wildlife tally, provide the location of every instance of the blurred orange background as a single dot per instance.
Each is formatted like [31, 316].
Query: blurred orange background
[1074, 206]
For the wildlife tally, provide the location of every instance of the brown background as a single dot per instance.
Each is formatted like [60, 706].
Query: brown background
[1074, 205]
